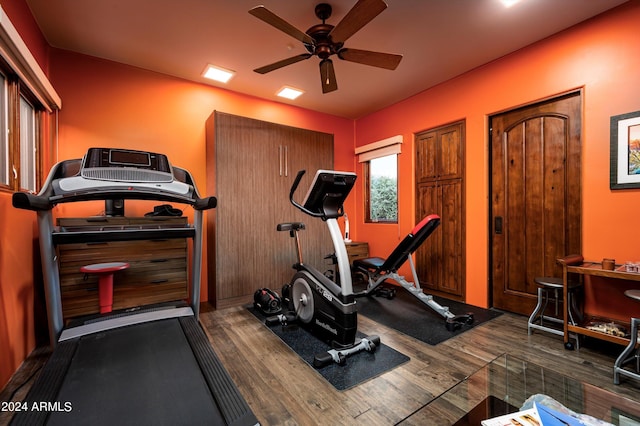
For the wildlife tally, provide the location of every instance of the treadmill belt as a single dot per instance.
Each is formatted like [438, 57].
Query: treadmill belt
[142, 374]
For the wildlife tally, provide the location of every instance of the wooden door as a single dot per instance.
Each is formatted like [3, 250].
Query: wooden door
[251, 165]
[535, 197]
[439, 189]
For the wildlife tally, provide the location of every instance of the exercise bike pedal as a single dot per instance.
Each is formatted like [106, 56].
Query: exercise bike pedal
[283, 319]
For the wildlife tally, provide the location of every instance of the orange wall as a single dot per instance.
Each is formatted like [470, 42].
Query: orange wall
[19, 264]
[601, 56]
[114, 105]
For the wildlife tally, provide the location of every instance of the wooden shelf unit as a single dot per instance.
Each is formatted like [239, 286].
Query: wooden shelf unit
[593, 269]
[158, 269]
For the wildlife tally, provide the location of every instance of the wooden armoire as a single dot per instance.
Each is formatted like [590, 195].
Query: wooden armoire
[251, 165]
[440, 261]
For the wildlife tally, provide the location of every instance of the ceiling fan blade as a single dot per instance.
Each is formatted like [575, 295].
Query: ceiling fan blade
[328, 76]
[283, 63]
[271, 18]
[359, 15]
[375, 59]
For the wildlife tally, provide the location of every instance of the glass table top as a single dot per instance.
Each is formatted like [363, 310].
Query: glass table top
[503, 386]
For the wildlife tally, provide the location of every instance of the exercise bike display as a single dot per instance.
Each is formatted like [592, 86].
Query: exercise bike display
[327, 309]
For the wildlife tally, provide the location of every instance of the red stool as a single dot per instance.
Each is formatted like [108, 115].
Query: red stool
[105, 271]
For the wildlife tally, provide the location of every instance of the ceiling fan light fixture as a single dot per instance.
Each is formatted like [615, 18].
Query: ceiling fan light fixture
[213, 72]
[289, 92]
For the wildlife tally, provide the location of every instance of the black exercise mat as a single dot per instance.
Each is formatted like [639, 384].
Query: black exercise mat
[358, 368]
[406, 314]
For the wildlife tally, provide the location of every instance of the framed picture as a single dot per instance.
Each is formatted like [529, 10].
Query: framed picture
[625, 151]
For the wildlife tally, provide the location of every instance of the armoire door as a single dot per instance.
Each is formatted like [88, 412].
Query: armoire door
[535, 197]
[440, 260]
[251, 165]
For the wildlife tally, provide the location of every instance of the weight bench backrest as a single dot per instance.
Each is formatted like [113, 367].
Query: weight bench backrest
[410, 243]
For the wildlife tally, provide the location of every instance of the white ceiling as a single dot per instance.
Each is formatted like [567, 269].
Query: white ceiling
[439, 39]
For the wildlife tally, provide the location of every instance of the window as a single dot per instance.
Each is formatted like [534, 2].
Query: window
[28, 145]
[381, 176]
[20, 123]
[380, 168]
[26, 96]
[4, 140]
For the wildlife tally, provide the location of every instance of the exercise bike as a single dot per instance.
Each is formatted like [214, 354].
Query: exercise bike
[327, 309]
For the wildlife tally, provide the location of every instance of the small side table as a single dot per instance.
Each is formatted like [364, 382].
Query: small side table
[105, 272]
[357, 250]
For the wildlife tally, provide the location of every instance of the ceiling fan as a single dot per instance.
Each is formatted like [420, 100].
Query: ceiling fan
[325, 40]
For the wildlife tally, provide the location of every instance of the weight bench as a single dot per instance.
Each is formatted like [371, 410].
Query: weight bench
[377, 270]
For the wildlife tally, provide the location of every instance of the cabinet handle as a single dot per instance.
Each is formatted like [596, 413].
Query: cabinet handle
[498, 225]
[283, 160]
[159, 260]
[286, 161]
[159, 281]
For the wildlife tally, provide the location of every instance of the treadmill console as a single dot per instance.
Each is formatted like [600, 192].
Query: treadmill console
[124, 165]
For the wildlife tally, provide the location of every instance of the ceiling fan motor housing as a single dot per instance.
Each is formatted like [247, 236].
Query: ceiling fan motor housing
[324, 46]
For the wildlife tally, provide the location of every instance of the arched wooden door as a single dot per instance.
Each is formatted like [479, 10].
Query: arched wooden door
[535, 197]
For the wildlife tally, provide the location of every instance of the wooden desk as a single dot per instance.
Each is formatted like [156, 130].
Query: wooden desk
[592, 269]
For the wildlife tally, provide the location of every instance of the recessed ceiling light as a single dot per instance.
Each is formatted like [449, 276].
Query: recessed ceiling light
[509, 3]
[218, 74]
[289, 92]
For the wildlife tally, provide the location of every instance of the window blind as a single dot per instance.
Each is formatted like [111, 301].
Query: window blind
[392, 145]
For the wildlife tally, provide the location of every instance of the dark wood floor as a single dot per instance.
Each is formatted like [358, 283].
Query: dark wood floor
[282, 390]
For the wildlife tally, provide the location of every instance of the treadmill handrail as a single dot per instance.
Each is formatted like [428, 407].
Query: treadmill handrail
[47, 198]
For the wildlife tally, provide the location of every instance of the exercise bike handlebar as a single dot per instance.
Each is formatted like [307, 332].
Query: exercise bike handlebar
[294, 187]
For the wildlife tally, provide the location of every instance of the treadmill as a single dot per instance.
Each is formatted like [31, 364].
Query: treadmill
[150, 365]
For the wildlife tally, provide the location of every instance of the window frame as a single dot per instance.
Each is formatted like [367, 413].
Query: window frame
[15, 91]
[372, 151]
[366, 166]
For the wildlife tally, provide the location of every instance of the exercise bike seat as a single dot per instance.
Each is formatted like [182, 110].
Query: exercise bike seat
[292, 226]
